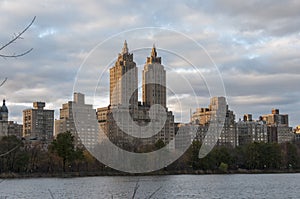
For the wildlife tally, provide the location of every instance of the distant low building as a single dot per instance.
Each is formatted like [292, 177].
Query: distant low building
[279, 130]
[187, 133]
[275, 118]
[203, 118]
[250, 131]
[15, 129]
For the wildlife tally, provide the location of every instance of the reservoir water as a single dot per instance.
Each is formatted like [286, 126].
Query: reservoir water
[170, 186]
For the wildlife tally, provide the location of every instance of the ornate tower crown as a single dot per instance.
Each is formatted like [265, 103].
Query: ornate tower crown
[153, 58]
[153, 52]
[125, 48]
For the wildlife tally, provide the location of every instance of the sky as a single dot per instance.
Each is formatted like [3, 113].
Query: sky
[248, 52]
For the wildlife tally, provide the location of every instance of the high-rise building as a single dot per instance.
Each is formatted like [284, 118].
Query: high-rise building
[154, 81]
[38, 122]
[279, 130]
[3, 120]
[250, 131]
[125, 116]
[66, 121]
[123, 88]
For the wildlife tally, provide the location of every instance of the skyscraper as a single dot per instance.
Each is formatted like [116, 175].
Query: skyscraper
[154, 81]
[124, 80]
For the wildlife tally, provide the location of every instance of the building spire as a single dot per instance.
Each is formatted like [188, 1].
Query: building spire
[125, 48]
[3, 108]
[153, 57]
[153, 52]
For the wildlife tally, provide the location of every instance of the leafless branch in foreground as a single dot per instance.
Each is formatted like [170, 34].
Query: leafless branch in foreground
[16, 37]
[154, 192]
[8, 152]
[135, 189]
[1, 84]
[51, 194]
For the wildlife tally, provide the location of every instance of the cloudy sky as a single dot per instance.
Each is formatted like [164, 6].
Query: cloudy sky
[252, 49]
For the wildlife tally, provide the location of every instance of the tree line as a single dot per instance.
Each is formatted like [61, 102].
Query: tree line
[62, 155]
[254, 156]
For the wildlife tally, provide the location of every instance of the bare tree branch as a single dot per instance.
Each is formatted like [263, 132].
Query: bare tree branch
[16, 55]
[154, 192]
[51, 194]
[8, 152]
[135, 189]
[16, 37]
[3, 81]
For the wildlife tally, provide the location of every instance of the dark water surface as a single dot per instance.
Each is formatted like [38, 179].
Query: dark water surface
[171, 186]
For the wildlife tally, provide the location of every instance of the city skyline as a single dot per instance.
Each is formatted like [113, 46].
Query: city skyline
[254, 48]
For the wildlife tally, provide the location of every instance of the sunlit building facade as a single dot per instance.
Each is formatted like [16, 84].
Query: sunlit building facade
[279, 130]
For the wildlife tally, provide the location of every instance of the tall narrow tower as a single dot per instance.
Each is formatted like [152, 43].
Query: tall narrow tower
[154, 80]
[3, 120]
[124, 80]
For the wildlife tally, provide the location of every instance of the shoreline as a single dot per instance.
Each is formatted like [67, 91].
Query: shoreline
[156, 173]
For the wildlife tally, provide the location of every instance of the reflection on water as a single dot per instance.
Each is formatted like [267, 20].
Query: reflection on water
[172, 186]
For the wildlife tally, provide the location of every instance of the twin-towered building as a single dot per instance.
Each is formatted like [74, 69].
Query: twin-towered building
[126, 120]
[124, 81]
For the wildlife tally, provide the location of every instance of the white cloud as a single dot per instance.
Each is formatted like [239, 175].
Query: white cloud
[255, 45]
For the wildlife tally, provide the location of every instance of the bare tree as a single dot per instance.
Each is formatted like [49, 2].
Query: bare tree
[13, 40]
